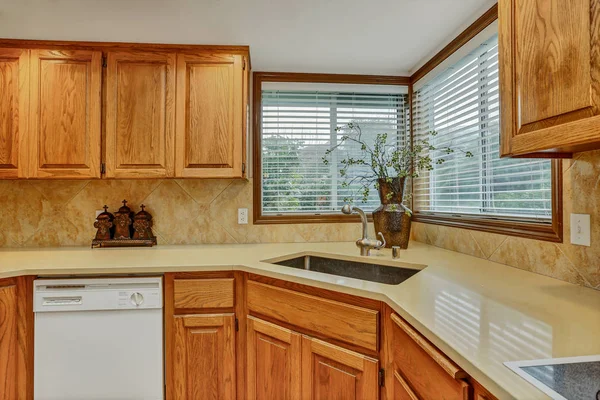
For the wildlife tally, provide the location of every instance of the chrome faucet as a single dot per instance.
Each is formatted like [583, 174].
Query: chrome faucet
[365, 244]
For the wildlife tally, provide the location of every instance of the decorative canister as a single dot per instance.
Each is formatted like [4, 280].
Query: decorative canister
[123, 222]
[104, 224]
[142, 224]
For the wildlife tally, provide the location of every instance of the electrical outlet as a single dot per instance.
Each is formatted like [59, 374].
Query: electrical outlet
[580, 229]
[242, 216]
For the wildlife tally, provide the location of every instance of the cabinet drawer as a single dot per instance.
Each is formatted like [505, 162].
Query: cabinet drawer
[203, 293]
[413, 355]
[344, 322]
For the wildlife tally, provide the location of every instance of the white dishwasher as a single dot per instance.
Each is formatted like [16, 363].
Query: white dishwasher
[98, 339]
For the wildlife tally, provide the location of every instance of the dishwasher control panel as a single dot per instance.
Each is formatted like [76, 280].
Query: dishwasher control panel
[97, 294]
[138, 299]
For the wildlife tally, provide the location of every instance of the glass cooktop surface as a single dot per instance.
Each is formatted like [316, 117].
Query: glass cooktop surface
[574, 378]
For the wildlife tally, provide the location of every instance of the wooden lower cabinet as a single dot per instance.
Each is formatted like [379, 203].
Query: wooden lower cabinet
[16, 338]
[274, 361]
[204, 357]
[283, 364]
[419, 369]
[334, 373]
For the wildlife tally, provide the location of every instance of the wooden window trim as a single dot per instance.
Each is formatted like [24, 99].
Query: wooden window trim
[520, 227]
[472, 30]
[258, 79]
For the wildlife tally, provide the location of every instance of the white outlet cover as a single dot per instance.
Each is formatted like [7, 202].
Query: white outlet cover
[580, 229]
[242, 216]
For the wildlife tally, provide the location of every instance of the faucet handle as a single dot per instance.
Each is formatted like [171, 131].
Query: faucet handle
[380, 244]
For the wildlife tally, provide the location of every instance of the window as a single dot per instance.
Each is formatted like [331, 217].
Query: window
[297, 125]
[461, 107]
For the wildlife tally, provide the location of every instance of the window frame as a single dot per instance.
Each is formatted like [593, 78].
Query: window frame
[257, 80]
[512, 226]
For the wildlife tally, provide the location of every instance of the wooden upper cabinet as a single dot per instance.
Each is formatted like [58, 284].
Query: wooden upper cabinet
[210, 115]
[65, 116]
[14, 106]
[140, 114]
[204, 357]
[549, 54]
[274, 361]
[332, 372]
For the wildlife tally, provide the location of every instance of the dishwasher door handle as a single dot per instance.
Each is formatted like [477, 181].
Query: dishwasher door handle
[62, 301]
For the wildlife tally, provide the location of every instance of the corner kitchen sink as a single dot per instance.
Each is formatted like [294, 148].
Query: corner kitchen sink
[351, 269]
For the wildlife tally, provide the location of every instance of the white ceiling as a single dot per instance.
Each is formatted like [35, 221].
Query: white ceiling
[384, 37]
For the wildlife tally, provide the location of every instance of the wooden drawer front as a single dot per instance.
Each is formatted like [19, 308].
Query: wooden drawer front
[344, 322]
[424, 369]
[203, 293]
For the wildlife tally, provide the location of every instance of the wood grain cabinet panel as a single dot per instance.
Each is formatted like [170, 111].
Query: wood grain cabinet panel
[140, 115]
[274, 361]
[421, 370]
[65, 114]
[14, 107]
[203, 293]
[210, 115]
[402, 390]
[549, 54]
[16, 338]
[334, 373]
[344, 322]
[8, 341]
[204, 357]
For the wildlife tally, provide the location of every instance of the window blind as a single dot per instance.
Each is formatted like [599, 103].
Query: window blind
[299, 126]
[462, 106]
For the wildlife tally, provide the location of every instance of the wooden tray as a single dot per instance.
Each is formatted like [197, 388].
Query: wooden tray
[97, 244]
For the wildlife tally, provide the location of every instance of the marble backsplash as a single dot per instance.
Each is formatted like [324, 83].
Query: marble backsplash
[571, 263]
[61, 213]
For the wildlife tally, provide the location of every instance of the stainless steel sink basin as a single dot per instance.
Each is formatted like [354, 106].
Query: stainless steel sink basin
[351, 269]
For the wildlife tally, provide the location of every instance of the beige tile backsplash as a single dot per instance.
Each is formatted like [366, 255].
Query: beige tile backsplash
[61, 213]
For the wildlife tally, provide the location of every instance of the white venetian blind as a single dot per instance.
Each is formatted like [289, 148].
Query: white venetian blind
[299, 125]
[461, 104]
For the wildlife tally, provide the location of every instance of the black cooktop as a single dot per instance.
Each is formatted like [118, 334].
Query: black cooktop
[573, 381]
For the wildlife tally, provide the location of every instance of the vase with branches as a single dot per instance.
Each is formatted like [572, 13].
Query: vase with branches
[385, 165]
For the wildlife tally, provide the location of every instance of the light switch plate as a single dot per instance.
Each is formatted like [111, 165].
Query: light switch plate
[580, 229]
[242, 216]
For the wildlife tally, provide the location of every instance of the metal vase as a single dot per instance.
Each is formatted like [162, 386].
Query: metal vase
[392, 218]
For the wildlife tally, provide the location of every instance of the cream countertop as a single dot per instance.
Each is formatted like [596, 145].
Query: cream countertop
[478, 312]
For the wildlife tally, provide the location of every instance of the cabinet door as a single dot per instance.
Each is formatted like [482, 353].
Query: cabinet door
[210, 111]
[274, 361]
[334, 373]
[402, 390]
[65, 114]
[204, 357]
[549, 55]
[421, 370]
[140, 115]
[16, 338]
[14, 106]
[8, 341]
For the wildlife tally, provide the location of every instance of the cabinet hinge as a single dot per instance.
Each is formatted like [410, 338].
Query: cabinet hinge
[237, 325]
[382, 377]
[103, 168]
[104, 63]
[243, 168]
[243, 63]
